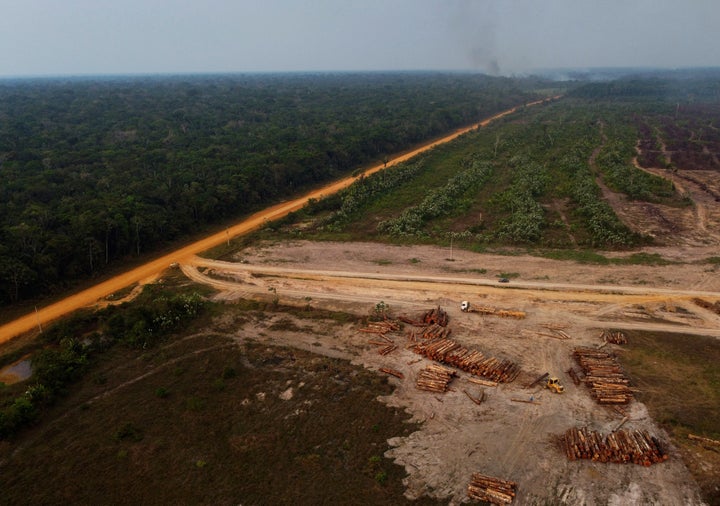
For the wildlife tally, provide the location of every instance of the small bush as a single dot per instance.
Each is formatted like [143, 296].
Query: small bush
[229, 372]
[381, 477]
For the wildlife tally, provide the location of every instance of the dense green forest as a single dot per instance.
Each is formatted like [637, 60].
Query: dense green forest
[97, 170]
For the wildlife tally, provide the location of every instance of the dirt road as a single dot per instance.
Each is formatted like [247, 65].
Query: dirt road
[153, 268]
[602, 303]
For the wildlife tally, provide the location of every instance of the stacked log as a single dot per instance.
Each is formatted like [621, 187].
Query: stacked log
[450, 352]
[428, 332]
[381, 328]
[484, 383]
[502, 313]
[436, 316]
[614, 336]
[492, 490]
[435, 378]
[604, 376]
[637, 446]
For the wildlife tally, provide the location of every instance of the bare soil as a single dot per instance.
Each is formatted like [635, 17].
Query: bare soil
[503, 438]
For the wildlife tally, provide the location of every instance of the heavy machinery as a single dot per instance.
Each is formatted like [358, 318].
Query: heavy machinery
[554, 385]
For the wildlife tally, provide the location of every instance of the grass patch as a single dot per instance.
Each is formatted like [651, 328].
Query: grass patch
[580, 256]
[322, 446]
[679, 382]
[591, 257]
[642, 259]
[678, 378]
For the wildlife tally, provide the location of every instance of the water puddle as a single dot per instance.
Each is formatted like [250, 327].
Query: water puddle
[16, 372]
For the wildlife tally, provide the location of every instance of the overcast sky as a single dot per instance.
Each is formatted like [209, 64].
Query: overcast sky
[68, 37]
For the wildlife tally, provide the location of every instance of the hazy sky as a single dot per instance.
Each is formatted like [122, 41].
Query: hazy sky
[51, 37]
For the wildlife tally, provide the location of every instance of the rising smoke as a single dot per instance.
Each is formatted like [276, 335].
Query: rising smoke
[474, 23]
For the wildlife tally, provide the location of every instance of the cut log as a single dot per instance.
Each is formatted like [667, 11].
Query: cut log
[704, 440]
[525, 401]
[493, 490]
[476, 400]
[604, 376]
[392, 372]
[482, 382]
[538, 380]
[620, 446]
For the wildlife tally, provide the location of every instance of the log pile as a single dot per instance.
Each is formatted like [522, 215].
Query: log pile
[381, 328]
[492, 490]
[428, 332]
[636, 446]
[482, 382]
[436, 316]
[502, 313]
[604, 376]
[715, 308]
[450, 352]
[614, 336]
[435, 378]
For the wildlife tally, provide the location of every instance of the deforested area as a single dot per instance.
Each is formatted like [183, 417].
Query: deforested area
[526, 314]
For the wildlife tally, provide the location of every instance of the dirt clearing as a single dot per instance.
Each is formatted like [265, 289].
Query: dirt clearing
[501, 437]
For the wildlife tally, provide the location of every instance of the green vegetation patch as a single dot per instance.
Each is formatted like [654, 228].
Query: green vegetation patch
[284, 427]
[69, 348]
[526, 180]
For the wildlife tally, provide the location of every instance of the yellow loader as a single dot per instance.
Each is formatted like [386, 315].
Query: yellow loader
[554, 385]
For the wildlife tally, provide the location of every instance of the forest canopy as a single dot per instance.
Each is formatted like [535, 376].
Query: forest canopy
[95, 170]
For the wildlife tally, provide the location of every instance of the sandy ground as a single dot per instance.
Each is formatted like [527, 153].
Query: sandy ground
[502, 438]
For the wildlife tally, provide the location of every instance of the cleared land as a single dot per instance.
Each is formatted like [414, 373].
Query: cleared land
[663, 297]
[501, 437]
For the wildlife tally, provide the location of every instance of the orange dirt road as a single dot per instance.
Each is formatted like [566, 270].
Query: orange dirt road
[151, 269]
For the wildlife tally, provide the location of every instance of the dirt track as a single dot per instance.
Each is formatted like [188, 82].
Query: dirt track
[151, 269]
[299, 270]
